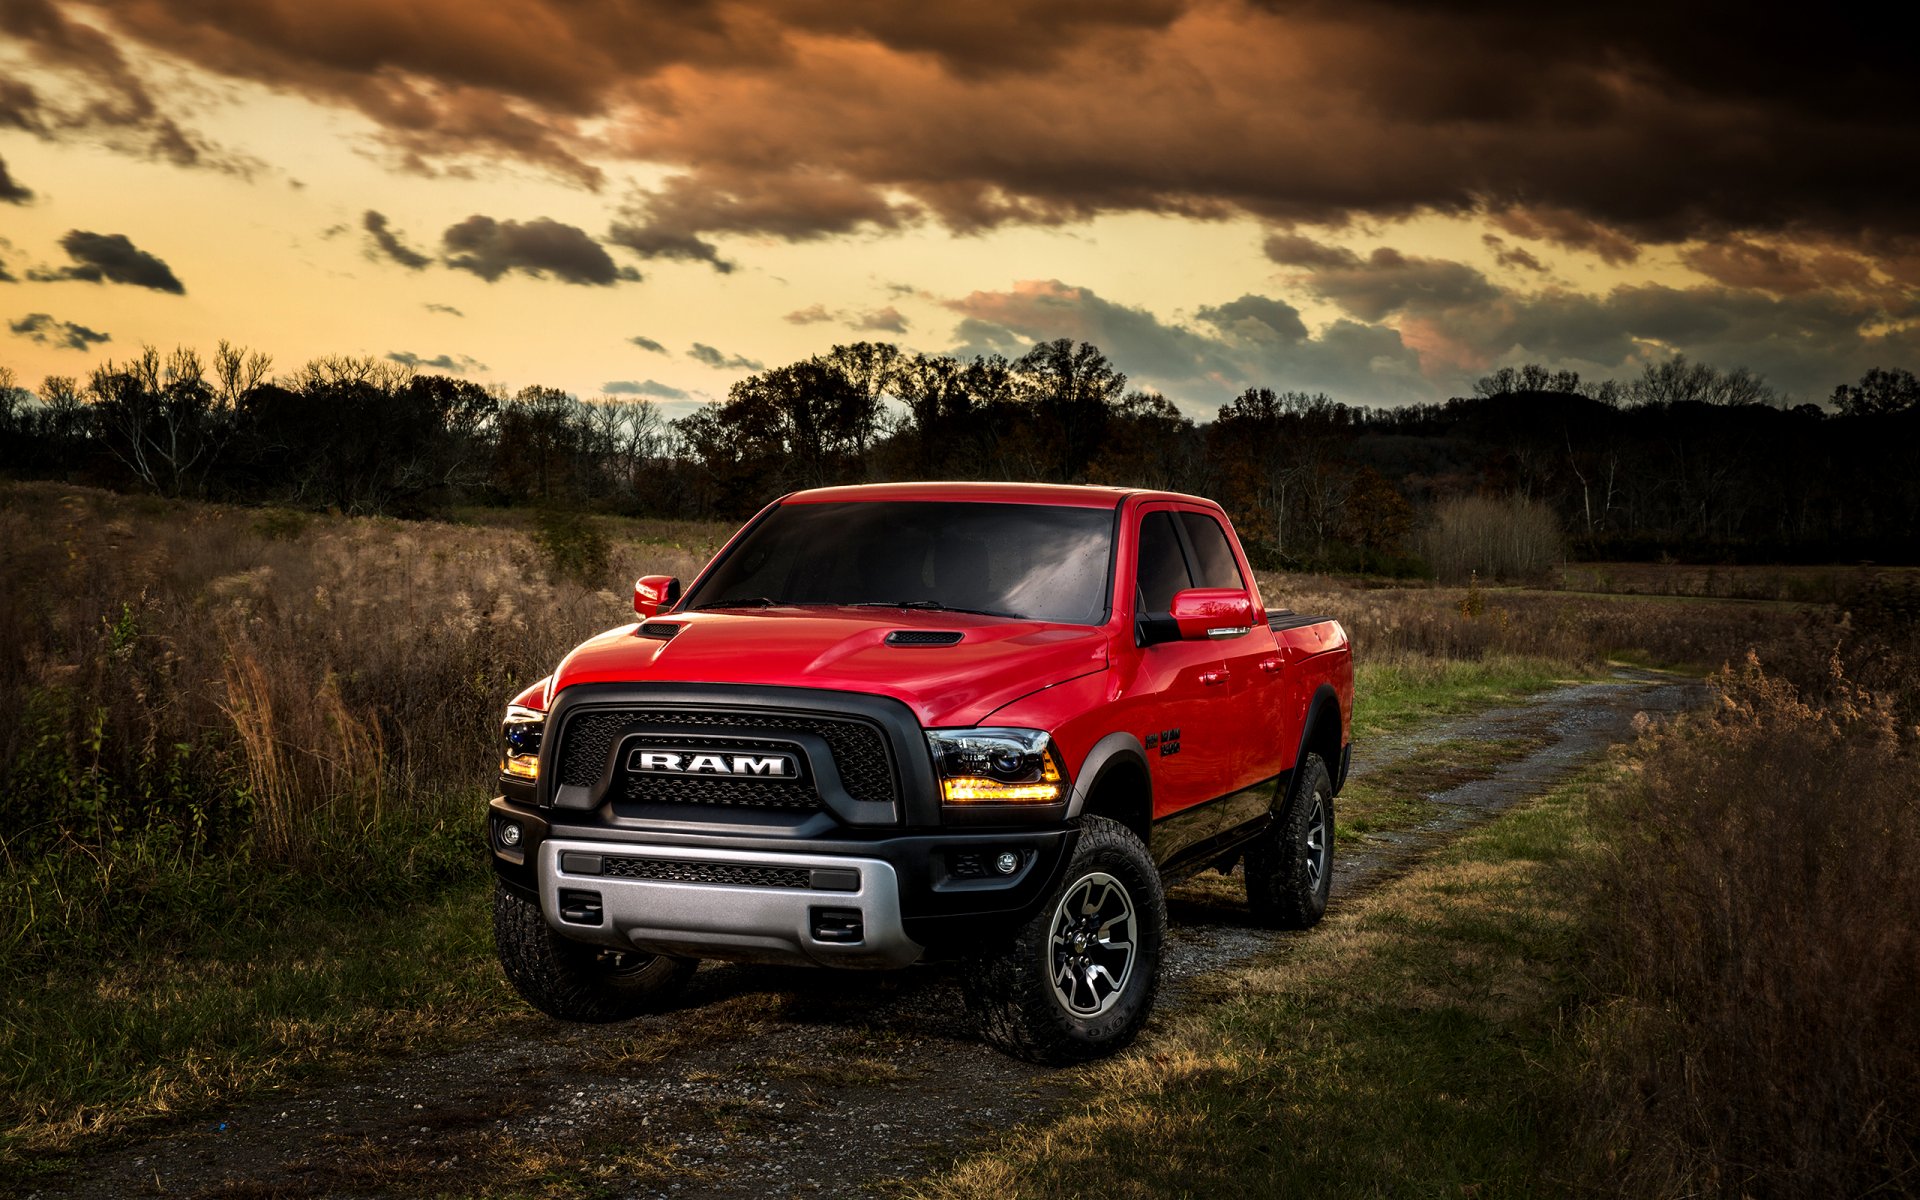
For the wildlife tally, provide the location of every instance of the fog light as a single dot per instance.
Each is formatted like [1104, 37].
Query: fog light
[1007, 863]
[509, 834]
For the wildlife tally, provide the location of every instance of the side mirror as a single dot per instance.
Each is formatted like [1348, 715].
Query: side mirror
[651, 593]
[1212, 613]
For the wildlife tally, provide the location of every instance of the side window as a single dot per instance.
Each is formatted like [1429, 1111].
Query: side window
[1216, 568]
[1163, 568]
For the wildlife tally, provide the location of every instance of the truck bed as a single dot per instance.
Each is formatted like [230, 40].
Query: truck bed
[1285, 618]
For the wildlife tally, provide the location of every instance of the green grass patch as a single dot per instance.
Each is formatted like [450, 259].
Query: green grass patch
[1399, 795]
[93, 1047]
[1406, 1048]
[1396, 694]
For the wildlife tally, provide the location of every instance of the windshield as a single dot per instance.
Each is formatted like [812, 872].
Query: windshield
[1035, 561]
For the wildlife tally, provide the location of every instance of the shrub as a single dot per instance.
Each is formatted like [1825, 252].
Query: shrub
[282, 524]
[574, 546]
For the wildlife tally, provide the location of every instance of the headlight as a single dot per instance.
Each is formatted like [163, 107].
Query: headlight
[520, 742]
[996, 766]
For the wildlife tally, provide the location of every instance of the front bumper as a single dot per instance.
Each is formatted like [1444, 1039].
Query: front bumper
[715, 903]
[769, 896]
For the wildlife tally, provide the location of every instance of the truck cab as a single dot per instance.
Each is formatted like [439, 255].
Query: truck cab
[904, 722]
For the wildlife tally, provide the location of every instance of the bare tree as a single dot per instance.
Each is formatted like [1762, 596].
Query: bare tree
[238, 371]
[161, 416]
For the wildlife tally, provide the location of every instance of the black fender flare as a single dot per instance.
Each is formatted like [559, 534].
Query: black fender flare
[1111, 751]
[1322, 709]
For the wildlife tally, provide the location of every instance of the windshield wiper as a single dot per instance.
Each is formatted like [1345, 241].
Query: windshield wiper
[936, 606]
[746, 602]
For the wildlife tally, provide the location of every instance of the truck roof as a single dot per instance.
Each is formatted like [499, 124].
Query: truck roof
[1063, 494]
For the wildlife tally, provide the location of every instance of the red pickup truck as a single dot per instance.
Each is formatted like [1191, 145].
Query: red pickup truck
[915, 721]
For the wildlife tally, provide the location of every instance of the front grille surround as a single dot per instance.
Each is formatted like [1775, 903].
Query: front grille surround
[589, 740]
[866, 754]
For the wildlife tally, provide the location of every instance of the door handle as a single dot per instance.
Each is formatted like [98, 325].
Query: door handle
[1212, 677]
[1271, 666]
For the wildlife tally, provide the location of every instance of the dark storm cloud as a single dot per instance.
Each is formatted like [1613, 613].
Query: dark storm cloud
[794, 204]
[1518, 257]
[440, 362]
[1389, 282]
[64, 335]
[1257, 318]
[540, 247]
[388, 243]
[880, 320]
[104, 97]
[647, 344]
[1743, 263]
[644, 387]
[11, 192]
[110, 257]
[20, 107]
[1298, 250]
[1565, 227]
[1590, 126]
[722, 361]
[649, 241]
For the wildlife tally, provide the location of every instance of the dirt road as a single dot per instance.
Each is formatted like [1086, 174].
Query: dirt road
[773, 1082]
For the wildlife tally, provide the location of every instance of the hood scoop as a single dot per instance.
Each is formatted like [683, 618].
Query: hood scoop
[658, 629]
[923, 637]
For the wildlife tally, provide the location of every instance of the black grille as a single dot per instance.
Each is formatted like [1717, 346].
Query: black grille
[782, 794]
[659, 629]
[967, 864]
[859, 754]
[681, 871]
[922, 637]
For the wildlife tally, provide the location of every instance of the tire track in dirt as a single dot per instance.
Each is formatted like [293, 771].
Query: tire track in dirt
[772, 1081]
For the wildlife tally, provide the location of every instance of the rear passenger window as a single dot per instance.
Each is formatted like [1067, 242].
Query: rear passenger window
[1163, 568]
[1216, 568]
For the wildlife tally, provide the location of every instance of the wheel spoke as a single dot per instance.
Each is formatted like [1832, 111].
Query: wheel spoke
[1095, 901]
[1316, 841]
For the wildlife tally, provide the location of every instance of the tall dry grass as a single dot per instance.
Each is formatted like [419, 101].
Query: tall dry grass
[1759, 941]
[207, 695]
[1465, 623]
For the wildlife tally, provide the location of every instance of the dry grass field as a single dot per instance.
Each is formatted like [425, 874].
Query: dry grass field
[1823, 583]
[249, 749]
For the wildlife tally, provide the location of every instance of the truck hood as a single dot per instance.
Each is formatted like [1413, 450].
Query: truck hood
[995, 662]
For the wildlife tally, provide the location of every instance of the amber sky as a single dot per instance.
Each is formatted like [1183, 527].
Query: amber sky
[651, 197]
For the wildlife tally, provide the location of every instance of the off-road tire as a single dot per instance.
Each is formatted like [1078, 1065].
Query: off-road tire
[1290, 867]
[1011, 991]
[574, 981]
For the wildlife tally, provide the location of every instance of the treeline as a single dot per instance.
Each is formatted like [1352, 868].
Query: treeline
[1685, 460]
